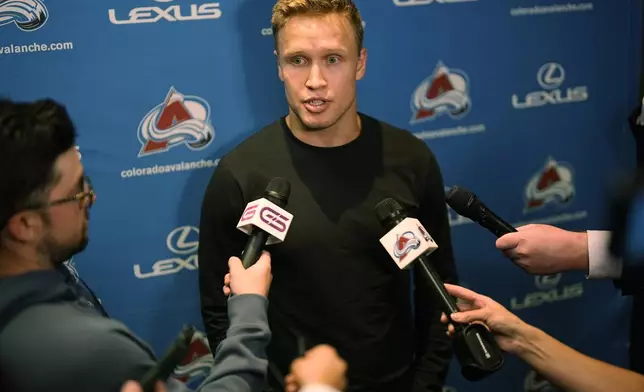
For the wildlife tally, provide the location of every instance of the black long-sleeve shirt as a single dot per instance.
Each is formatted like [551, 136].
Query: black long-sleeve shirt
[332, 280]
[632, 280]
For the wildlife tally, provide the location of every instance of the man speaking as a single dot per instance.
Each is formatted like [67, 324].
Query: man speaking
[333, 282]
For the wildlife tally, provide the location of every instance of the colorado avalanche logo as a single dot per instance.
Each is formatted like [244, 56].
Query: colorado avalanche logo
[444, 92]
[197, 364]
[553, 184]
[178, 120]
[405, 243]
[28, 15]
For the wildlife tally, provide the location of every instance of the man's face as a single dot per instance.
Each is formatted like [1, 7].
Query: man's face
[319, 65]
[65, 225]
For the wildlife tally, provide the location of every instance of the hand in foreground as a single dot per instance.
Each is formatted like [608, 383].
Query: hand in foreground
[254, 280]
[319, 366]
[545, 250]
[133, 386]
[507, 328]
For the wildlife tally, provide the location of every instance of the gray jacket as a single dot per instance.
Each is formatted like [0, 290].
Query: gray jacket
[51, 341]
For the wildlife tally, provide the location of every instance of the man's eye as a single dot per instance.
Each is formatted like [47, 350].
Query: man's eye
[297, 60]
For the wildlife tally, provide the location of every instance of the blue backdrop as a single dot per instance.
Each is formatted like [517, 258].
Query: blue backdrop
[523, 102]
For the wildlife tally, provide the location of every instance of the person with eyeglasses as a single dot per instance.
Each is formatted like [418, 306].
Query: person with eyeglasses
[51, 339]
[85, 196]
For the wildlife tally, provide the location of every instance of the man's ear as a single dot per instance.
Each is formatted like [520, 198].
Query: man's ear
[362, 64]
[24, 226]
[279, 67]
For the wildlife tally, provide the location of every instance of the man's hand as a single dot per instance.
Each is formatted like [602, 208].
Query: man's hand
[546, 250]
[319, 366]
[254, 280]
[133, 386]
[509, 330]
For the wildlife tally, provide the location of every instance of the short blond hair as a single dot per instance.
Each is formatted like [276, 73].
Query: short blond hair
[284, 10]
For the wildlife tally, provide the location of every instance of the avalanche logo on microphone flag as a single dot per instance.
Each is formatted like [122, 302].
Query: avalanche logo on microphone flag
[405, 242]
[180, 119]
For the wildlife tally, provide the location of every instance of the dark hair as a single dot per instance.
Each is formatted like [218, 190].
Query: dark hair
[32, 137]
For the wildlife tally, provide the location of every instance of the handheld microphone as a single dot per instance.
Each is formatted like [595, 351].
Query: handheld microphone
[466, 204]
[173, 357]
[407, 241]
[265, 220]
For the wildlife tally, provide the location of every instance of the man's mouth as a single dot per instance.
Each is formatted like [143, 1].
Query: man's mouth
[316, 105]
[315, 102]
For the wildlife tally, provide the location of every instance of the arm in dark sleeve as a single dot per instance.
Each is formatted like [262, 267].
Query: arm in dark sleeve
[240, 363]
[632, 280]
[240, 360]
[80, 357]
[117, 357]
[219, 239]
[638, 134]
[434, 348]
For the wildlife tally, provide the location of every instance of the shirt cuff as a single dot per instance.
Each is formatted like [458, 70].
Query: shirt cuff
[601, 263]
[318, 388]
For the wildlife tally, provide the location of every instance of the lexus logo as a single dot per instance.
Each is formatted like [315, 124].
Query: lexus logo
[551, 75]
[546, 282]
[183, 240]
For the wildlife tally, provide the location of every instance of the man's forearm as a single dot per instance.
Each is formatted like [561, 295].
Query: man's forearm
[572, 370]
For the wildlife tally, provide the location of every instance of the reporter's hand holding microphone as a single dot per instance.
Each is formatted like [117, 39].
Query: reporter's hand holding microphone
[254, 280]
[537, 248]
[320, 369]
[544, 250]
[508, 330]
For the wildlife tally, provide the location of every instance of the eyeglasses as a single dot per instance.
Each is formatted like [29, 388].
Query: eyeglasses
[85, 198]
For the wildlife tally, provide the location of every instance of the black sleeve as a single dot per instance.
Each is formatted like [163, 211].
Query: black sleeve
[632, 280]
[219, 239]
[638, 135]
[434, 348]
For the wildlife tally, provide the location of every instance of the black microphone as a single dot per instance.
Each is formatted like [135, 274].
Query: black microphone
[466, 204]
[407, 241]
[264, 218]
